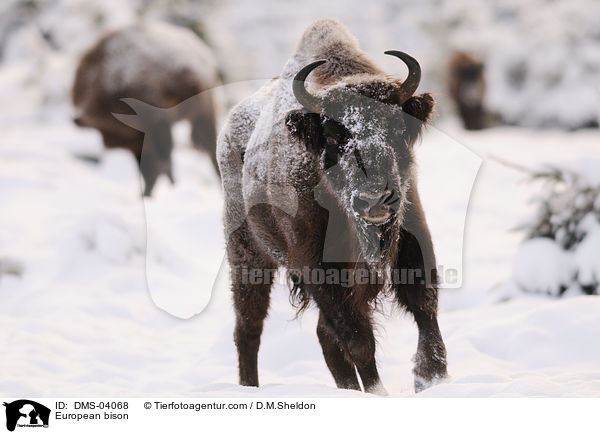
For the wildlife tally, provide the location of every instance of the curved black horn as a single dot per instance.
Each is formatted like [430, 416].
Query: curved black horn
[307, 100]
[411, 83]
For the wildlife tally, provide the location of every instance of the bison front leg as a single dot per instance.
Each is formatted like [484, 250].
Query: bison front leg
[336, 357]
[418, 294]
[353, 333]
[430, 359]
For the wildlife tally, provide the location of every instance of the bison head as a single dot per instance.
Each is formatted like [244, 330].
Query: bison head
[361, 131]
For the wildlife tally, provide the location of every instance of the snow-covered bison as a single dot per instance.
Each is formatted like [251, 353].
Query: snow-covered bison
[162, 73]
[319, 179]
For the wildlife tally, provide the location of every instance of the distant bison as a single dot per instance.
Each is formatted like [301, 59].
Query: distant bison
[466, 85]
[161, 66]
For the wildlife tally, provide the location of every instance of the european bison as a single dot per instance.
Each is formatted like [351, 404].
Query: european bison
[466, 85]
[162, 66]
[322, 182]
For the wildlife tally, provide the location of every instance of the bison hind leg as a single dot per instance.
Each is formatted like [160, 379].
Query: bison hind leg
[251, 298]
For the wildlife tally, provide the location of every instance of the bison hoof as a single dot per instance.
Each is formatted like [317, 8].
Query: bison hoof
[421, 383]
[377, 389]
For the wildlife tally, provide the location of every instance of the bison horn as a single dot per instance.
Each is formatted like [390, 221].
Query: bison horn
[307, 100]
[408, 88]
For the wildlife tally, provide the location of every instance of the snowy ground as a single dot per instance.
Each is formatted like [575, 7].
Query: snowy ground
[77, 318]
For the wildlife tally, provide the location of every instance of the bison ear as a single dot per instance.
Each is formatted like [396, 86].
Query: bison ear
[307, 127]
[418, 108]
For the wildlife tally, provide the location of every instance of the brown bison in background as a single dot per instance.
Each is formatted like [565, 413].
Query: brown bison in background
[466, 86]
[154, 69]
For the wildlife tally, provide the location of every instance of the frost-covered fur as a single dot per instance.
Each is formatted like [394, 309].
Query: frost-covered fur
[290, 202]
[257, 125]
[160, 71]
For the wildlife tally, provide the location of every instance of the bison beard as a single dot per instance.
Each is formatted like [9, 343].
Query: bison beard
[377, 222]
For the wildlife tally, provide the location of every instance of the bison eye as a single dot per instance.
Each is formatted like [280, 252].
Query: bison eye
[335, 134]
[331, 142]
[331, 152]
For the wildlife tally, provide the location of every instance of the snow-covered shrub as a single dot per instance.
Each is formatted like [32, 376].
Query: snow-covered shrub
[562, 250]
[542, 266]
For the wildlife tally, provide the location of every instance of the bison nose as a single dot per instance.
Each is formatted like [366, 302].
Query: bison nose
[374, 208]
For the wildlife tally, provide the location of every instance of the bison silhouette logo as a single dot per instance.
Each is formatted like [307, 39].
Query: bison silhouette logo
[26, 413]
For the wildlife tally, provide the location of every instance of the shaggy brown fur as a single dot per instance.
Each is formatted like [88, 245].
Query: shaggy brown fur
[466, 85]
[310, 171]
[126, 64]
